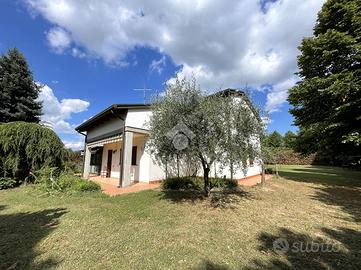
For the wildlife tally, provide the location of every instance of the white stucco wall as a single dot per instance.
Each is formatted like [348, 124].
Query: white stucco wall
[138, 118]
[115, 170]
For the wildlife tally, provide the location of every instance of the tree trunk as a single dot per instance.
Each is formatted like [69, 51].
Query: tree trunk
[263, 177]
[177, 165]
[277, 175]
[207, 189]
[231, 170]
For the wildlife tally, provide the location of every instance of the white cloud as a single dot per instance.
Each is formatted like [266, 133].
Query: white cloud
[75, 145]
[158, 65]
[58, 39]
[224, 43]
[277, 96]
[56, 112]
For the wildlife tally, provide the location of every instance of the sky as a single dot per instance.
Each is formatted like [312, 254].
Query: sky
[89, 54]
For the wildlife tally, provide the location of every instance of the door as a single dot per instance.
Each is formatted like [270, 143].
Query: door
[109, 162]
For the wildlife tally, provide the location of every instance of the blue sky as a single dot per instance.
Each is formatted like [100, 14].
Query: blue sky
[89, 65]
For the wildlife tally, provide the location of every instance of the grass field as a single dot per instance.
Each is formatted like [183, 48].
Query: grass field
[175, 230]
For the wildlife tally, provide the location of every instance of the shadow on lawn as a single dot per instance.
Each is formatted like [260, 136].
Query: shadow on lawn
[345, 255]
[208, 265]
[340, 187]
[217, 199]
[348, 198]
[21, 232]
[325, 176]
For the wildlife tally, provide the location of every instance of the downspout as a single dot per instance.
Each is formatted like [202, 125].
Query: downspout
[121, 152]
[84, 149]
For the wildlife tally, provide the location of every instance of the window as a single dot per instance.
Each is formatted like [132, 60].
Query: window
[134, 155]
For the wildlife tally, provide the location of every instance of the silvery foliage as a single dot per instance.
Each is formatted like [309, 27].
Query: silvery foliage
[211, 127]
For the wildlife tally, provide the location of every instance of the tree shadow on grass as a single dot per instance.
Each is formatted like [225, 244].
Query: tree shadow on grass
[348, 198]
[337, 187]
[339, 251]
[21, 232]
[228, 198]
[325, 176]
[209, 265]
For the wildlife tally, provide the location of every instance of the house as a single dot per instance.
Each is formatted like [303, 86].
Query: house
[115, 146]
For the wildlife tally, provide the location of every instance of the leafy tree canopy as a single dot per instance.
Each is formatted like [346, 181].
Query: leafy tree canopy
[18, 91]
[327, 100]
[274, 139]
[289, 139]
[189, 124]
[26, 147]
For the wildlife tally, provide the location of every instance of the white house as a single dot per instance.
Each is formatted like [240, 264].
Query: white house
[115, 146]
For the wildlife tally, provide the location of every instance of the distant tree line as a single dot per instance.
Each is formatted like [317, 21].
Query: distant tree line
[278, 149]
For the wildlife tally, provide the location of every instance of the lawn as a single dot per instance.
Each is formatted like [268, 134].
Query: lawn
[175, 230]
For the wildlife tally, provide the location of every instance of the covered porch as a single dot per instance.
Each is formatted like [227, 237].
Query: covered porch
[119, 160]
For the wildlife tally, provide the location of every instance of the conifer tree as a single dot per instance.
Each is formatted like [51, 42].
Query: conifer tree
[18, 91]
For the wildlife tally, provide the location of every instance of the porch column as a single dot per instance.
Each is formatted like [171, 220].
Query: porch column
[87, 157]
[127, 158]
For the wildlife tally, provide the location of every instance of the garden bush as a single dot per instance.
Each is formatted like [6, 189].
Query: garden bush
[223, 183]
[27, 147]
[6, 182]
[51, 180]
[196, 183]
[176, 183]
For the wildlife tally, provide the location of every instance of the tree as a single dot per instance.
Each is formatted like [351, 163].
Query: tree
[18, 91]
[289, 139]
[27, 147]
[188, 123]
[274, 139]
[327, 100]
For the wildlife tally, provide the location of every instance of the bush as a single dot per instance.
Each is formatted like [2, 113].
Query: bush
[74, 183]
[196, 183]
[6, 182]
[181, 183]
[50, 180]
[27, 147]
[223, 183]
[269, 171]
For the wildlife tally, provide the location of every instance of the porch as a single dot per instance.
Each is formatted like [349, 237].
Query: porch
[119, 161]
[109, 186]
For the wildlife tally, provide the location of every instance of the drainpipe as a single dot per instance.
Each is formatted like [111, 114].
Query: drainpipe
[121, 152]
[84, 149]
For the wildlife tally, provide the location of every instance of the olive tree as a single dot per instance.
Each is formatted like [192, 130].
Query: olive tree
[187, 123]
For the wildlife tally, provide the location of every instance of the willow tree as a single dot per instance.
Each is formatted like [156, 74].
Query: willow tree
[26, 147]
[189, 123]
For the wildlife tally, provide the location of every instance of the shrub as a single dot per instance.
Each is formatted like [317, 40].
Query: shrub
[27, 147]
[269, 171]
[6, 182]
[181, 183]
[50, 180]
[223, 183]
[231, 184]
[196, 183]
[74, 183]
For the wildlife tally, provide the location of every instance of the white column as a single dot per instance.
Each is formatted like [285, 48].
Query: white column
[87, 157]
[127, 158]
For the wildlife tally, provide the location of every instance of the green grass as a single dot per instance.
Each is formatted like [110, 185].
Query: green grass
[181, 230]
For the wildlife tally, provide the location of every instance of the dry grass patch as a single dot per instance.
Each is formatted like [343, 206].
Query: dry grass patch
[180, 230]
